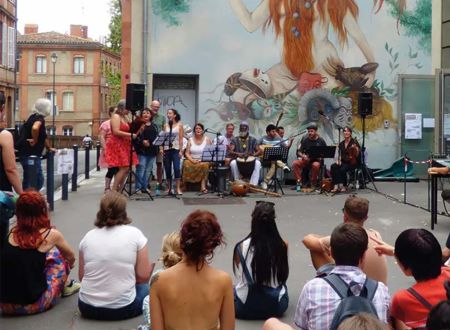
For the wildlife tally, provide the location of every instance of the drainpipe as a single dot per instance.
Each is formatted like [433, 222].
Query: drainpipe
[144, 45]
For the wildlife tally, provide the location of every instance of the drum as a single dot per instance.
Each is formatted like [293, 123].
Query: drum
[239, 188]
[246, 166]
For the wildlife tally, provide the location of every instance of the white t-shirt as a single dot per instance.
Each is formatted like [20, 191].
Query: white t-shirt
[109, 259]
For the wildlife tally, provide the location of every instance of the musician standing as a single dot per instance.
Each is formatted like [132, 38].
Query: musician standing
[304, 162]
[349, 159]
[243, 146]
[271, 140]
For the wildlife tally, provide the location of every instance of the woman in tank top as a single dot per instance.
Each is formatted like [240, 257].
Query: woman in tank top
[35, 261]
[194, 170]
[173, 152]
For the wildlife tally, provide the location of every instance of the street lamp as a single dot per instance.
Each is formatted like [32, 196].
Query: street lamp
[54, 58]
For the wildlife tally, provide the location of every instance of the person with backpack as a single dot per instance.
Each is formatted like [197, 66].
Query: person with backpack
[32, 140]
[419, 255]
[326, 301]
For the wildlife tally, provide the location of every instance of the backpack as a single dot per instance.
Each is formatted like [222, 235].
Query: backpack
[423, 301]
[350, 304]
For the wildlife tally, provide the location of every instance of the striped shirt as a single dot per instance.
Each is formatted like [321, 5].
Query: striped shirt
[318, 301]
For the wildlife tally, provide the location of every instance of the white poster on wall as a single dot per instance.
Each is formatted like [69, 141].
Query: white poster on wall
[413, 126]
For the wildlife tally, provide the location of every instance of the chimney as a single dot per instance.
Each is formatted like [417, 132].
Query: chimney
[31, 28]
[79, 31]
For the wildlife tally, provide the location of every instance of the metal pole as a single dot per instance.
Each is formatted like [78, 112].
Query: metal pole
[50, 179]
[54, 108]
[65, 186]
[405, 168]
[86, 163]
[32, 171]
[75, 168]
[98, 155]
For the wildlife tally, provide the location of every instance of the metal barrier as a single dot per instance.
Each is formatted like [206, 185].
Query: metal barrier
[75, 168]
[86, 163]
[98, 155]
[50, 180]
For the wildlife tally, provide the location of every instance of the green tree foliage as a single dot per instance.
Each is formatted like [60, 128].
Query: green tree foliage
[113, 79]
[114, 40]
[417, 23]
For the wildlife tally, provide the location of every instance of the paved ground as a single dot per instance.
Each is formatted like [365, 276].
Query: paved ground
[297, 215]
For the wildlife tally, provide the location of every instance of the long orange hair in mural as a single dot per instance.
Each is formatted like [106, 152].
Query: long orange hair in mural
[297, 53]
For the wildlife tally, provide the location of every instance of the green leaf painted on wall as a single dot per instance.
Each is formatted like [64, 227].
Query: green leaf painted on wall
[170, 10]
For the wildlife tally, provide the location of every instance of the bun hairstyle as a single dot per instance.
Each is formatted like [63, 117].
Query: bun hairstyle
[200, 235]
[42, 107]
[171, 250]
[439, 317]
[113, 210]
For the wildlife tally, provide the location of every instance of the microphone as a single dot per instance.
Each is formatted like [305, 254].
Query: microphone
[170, 123]
[206, 130]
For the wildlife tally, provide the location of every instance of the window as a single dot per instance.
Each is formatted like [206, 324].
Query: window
[11, 47]
[41, 64]
[67, 101]
[67, 130]
[51, 130]
[50, 94]
[78, 65]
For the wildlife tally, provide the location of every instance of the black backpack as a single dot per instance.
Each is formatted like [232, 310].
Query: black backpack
[350, 304]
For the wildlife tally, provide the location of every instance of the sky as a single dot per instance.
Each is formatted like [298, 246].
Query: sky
[57, 15]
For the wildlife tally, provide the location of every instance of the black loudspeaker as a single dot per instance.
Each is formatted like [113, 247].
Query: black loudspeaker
[135, 97]
[365, 102]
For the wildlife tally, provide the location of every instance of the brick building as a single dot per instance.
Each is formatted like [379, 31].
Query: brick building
[82, 93]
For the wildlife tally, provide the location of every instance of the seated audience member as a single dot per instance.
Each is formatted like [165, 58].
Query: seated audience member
[262, 261]
[171, 254]
[362, 321]
[355, 211]
[271, 140]
[418, 254]
[304, 163]
[349, 159]
[35, 261]
[113, 264]
[318, 301]
[439, 317]
[194, 170]
[192, 294]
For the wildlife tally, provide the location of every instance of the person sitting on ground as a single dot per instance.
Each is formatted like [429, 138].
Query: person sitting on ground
[192, 294]
[355, 211]
[171, 254]
[319, 301]
[271, 140]
[262, 258]
[35, 261]
[113, 264]
[439, 317]
[418, 254]
[194, 170]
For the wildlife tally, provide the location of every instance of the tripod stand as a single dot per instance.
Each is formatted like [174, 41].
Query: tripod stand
[131, 173]
[364, 171]
[273, 155]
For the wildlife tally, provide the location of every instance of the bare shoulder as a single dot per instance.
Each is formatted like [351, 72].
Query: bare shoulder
[221, 276]
[373, 233]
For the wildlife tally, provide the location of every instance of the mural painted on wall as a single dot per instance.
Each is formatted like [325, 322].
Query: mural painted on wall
[294, 62]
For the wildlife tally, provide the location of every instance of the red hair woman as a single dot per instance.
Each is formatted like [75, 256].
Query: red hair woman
[35, 261]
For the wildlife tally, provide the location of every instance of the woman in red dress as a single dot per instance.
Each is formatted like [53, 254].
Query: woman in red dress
[119, 144]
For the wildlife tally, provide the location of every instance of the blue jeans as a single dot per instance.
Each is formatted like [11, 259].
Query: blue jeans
[172, 157]
[113, 314]
[26, 162]
[143, 171]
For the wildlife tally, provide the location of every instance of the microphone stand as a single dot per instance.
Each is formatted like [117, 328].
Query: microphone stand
[216, 161]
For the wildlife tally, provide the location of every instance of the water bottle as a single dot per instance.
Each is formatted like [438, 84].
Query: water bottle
[298, 187]
[157, 192]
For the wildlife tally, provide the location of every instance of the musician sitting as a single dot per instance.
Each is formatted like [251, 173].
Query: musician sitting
[242, 148]
[271, 140]
[304, 163]
[194, 170]
[226, 140]
[286, 142]
[349, 159]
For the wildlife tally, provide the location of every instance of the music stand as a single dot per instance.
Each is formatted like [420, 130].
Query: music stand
[320, 153]
[165, 139]
[214, 154]
[274, 154]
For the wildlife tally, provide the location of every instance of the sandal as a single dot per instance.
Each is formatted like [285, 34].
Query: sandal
[335, 190]
[204, 191]
[343, 189]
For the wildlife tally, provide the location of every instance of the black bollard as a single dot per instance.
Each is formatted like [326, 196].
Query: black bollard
[65, 186]
[75, 167]
[32, 164]
[86, 163]
[98, 156]
[50, 180]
